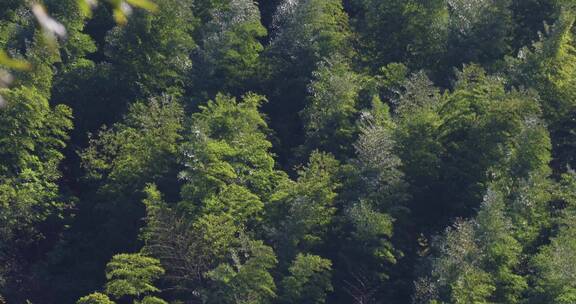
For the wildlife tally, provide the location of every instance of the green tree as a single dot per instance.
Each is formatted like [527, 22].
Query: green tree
[247, 280]
[229, 168]
[555, 266]
[304, 32]
[141, 149]
[186, 250]
[307, 31]
[118, 162]
[78, 44]
[330, 117]
[95, 298]
[228, 175]
[413, 31]
[374, 196]
[418, 119]
[309, 280]
[132, 275]
[32, 137]
[228, 57]
[301, 212]
[480, 115]
[142, 146]
[481, 260]
[549, 67]
[457, 271]
[502, 250]
[530, 17]
[479, 32]
[129, 276]
[378, 166]
[152, 52]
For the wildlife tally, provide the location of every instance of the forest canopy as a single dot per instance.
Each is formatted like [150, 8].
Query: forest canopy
[288, 151]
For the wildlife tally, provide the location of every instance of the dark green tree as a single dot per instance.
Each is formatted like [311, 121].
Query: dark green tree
[152, 52]
[118, 163]
[228, 57]
[414, 32]
[303, 34]
[479, 32]
[548, 67]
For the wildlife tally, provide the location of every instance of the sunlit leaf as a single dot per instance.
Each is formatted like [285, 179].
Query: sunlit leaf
[13, 63]
[121, 8]
[86, 7]
[120, 17]
[144, 4]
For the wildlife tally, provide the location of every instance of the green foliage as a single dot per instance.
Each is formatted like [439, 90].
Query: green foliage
[186, 250]
[472, 287]
[418, 120]
[309, 280]
[418, 95]
[381, 180]
[478, 260]
[329, 118]
[38, 132]
[555, 60]
[565, 190]
[95, 298]
[152, 51]
[304, 208]
[370, 225]
[530, 18]
[230, 48]
[503, 251]
[121, 160]
[387, 121]
[457, 270]
[229, 168]
[32, 136]
[413, 31]
[307, 31]
[481, 114]
[129, 275]
[132, 275]
[555, 266]
[304, 33]
[78, 44]
[479, 31]
[549, 67]
[247, 280]
[139, 149]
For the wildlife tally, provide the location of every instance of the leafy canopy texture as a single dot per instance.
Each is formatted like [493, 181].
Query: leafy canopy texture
[287, 151]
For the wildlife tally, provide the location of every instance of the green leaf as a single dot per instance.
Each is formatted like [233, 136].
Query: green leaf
[14, 63]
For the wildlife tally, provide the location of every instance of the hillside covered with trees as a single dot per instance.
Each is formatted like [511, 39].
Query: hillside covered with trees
[288, 151]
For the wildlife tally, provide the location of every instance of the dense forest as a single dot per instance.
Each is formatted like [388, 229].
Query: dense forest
[288, 151]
